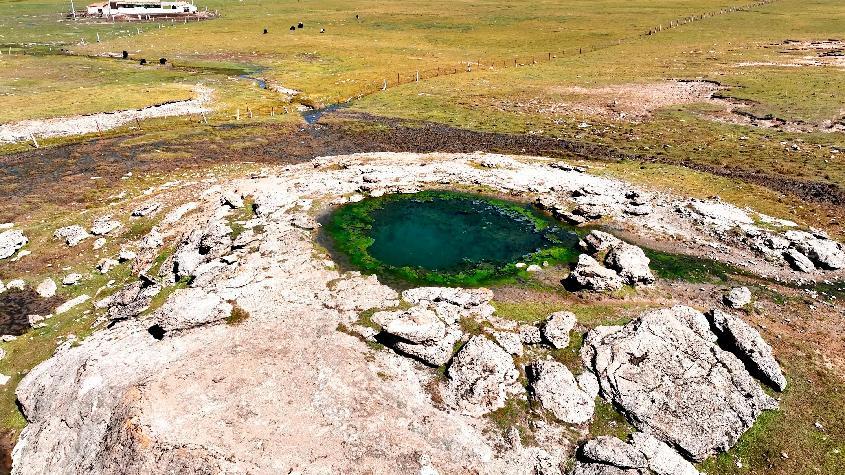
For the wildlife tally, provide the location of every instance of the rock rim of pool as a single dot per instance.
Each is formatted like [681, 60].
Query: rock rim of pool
[179, 389]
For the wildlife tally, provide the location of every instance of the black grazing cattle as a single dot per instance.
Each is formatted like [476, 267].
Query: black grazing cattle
[125, 54]
[142, 62]
[292, 28]
[300, 25]
[162, 61]
[265, 31]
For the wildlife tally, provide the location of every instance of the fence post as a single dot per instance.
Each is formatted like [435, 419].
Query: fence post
[418, 76]
[237, 114]
[397, 79]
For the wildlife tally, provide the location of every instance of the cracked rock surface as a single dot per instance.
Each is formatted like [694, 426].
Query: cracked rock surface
[644, 366]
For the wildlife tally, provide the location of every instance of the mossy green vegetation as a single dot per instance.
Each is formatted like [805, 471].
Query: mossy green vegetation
[353, 229]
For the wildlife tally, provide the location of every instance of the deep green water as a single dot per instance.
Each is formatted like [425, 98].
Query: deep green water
[449, 238]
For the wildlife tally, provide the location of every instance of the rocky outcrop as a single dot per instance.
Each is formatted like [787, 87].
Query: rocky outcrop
[598, 241]
[429, 330]
[798, 261]
[665, 372]
[630, 262]
[481, 377]
[11, 241]
[644, 455]
[738, 297]
[104, 225]
[556, 328]
[819, 249]
[588, 274]
[554, 386]
[72, 235]
[747, 343]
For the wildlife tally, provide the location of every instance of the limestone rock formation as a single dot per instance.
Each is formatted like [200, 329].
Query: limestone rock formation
[556, 389]
[630, 262]
[598, 241]
[11, 241]
[72, 235]
[671, 380]
[588, 274]
[644, 455]
[749, 346]
[798, 261]
[738, 297]
[47, 288]
[822, 251]
[481, 377]
[104, 225]
[556, 328]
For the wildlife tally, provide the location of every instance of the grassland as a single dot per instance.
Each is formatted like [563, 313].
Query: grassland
[531, 55]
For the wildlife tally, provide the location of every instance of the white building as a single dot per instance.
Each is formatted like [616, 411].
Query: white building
[141, 7]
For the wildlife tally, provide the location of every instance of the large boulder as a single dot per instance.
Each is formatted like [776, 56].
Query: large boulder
[556, 389]
[588, 274]
[630, 262]
[748, 345]
[556, 328]
[481, 377]
[798, 261]
[47, 288]
[666, 374]
[11, 241]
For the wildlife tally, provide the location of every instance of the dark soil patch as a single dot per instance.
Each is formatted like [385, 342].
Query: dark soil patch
[17, 305]
[62, 175]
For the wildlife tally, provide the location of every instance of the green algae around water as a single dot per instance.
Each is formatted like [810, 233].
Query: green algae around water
[448, 238]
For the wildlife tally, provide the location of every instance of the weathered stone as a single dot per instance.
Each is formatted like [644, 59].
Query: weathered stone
[588, 274]
[530, 334]
[556, 328]
[47, 288]
[630, 262]
[798, 261]
[153, 240]
[104, 225]
[99, 243]
[72, 235]
[436, 353]
[556, 389]
[747, 343]
[480, 377]
[671, 381]
[417, 325]
[19, 284]
[662, 459]
[11, 241]
[598, 241]
[824, 253]
[126, 255]
[509, 341]
[612, 451]
[738, 297]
